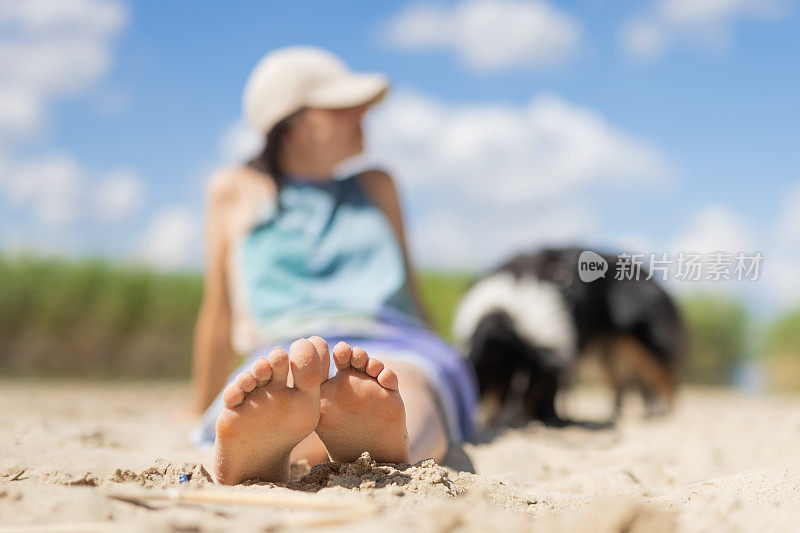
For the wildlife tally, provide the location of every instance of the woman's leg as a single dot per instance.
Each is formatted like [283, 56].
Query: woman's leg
[427, 433]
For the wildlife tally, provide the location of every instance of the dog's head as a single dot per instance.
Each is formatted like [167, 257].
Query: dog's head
[516, 332]
[496, 352]
[514, 377]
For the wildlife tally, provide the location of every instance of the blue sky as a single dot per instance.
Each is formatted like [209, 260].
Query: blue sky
[677, 122]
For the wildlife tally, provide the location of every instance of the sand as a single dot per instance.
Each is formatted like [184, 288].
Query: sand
[110, 457]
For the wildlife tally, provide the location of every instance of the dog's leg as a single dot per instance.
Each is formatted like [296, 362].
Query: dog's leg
[490, 407]
[609, 362]
[655, 382]
[650, 401]
[540, 397]
[619, 392]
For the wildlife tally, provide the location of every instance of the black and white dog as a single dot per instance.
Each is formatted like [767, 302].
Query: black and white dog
[525, 324]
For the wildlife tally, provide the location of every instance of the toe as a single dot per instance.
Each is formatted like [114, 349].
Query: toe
[305, 365]
[233, 395]
[374, 367]
[359, 359]
[247, 381]
[279, 361]
[324, 355]
[262, 370]
[341, 355]
[388, 379]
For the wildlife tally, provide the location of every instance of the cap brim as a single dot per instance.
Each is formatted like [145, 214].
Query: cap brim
[350, 91]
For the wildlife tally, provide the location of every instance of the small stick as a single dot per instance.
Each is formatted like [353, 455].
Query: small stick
[235, 497]
[88, 527]
[330, 519]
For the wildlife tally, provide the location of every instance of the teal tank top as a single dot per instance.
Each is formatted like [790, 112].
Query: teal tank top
[328, 253]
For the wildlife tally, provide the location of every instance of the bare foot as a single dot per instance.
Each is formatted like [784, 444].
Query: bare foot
[361, 410]
[263, 418]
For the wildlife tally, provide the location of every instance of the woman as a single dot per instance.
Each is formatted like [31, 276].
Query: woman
[295, 254]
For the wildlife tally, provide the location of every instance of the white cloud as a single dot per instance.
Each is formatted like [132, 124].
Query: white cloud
[643, 38]
[439, 241]
[707, 23]
[783, 257]
[488, 34]
[44, 16]
[172, 239]
[715, 228]
[20, 113]
[502, 154]
[58, 191]
[782, 281]
[470, 238]
[118, 196]
[50, 48]
[485, 180]
[50, 186]
[788, 225]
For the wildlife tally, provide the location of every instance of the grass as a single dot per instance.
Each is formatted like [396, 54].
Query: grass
[441, 292]
[99, 319]
[93, 318]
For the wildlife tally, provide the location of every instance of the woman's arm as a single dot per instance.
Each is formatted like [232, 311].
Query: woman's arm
[213, 356]
[382, 191]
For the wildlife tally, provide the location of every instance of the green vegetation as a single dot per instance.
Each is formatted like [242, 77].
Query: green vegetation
[93, 318]
[718, 334]
[782, 353]
[441, 292]
[783, 336]
[98, 319]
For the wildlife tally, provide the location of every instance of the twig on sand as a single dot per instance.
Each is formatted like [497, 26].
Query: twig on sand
[343, 510]
[88, 527]
[328, 519]
[146, 498]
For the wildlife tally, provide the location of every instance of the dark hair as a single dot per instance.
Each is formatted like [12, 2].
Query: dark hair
[268, 160]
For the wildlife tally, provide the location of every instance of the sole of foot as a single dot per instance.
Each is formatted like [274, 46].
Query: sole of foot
[264, 418]
[361, 410]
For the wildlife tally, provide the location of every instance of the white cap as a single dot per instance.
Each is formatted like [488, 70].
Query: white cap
[291, 78]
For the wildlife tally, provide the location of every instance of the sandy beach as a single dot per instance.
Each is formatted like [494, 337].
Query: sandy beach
[109, 457]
